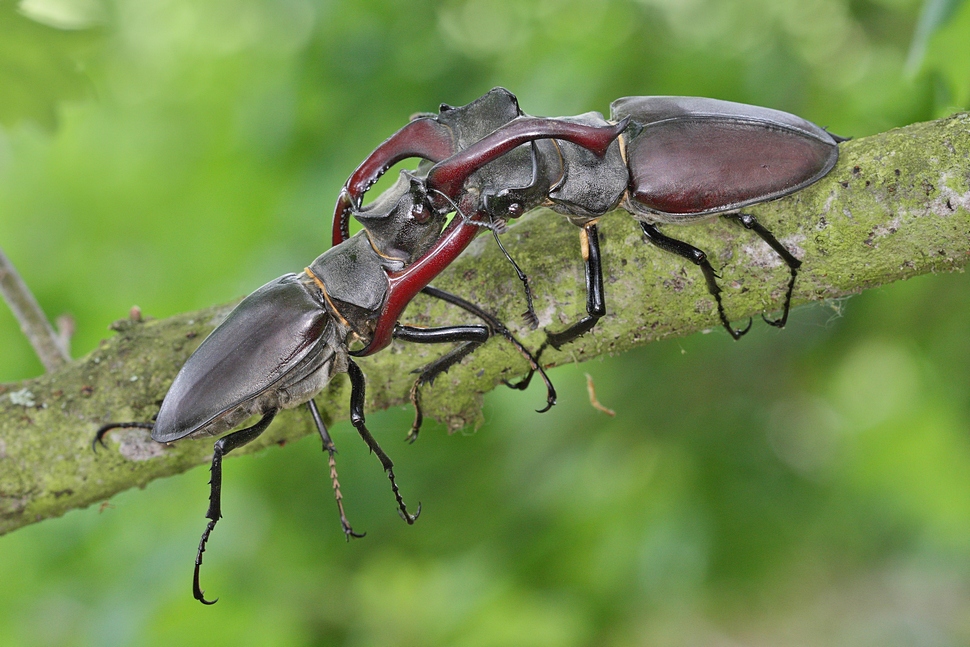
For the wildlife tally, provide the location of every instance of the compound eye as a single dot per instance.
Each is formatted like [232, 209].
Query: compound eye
[420, 213]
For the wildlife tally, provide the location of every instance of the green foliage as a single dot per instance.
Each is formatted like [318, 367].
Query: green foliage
[799, 487]
[934, 15]
[948, 58]
[41, 67]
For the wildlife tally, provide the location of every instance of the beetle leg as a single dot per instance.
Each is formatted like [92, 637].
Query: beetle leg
[222, 447]
[472, 336]
[699, 258]
[329, 447]
[595, 299]
[748, 221]
[357, 384]
[104, 429]
[427, 375]
[499, 328]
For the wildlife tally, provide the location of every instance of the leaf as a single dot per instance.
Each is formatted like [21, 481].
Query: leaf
[41, 66]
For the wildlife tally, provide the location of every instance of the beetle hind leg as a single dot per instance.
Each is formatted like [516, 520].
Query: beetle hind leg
[751, 223]
[222, 447]
[698, 258]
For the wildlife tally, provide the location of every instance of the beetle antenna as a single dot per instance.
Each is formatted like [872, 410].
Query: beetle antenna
[529, 316]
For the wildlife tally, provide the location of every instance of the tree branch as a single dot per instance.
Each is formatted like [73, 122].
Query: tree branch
[897, 205]
[50, 347]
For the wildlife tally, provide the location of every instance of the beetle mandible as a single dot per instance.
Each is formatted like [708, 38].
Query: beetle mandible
[678, 160]
[283, 343]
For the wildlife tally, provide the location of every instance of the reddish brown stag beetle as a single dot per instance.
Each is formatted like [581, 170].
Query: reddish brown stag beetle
[284, 342]
[678, 160]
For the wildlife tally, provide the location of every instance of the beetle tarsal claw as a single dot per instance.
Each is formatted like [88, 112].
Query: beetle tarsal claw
[739, 333]
[410, 518]
[777, 323]
[197, 591]
[549, 405]
[531, 319]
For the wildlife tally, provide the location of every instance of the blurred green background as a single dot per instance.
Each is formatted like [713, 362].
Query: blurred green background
[801, 487]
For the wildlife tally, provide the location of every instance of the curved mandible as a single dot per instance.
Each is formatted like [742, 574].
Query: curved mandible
[449, 175]
[424, 137]
[404, 285]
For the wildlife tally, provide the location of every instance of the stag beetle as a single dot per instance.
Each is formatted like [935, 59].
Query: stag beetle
[678, 160]
[282, 344]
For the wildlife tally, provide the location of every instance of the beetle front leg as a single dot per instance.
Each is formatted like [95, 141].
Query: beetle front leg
[331, 449]
[595, 299]
[357, 385]
[427, 375]
[749, 222]
[222, 447]
[699, 258]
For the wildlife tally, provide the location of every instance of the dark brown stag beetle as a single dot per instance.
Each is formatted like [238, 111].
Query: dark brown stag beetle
[678, 160]
[284, 342]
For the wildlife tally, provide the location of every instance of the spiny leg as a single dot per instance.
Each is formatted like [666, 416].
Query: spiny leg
[472, 336]
[699, 258]
[499, 328]
[357, 384]
[748, 221]
[329, 447]
[595, 299]
[222, 447]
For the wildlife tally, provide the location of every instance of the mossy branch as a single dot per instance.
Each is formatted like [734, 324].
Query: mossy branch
[897, 205]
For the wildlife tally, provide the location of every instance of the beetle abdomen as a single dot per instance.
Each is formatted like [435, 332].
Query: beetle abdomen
[694, 157]
[254, 361]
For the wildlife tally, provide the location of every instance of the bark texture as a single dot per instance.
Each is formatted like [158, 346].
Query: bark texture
[897, 205]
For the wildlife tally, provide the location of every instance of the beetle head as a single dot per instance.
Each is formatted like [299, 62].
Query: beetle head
[401, 222]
